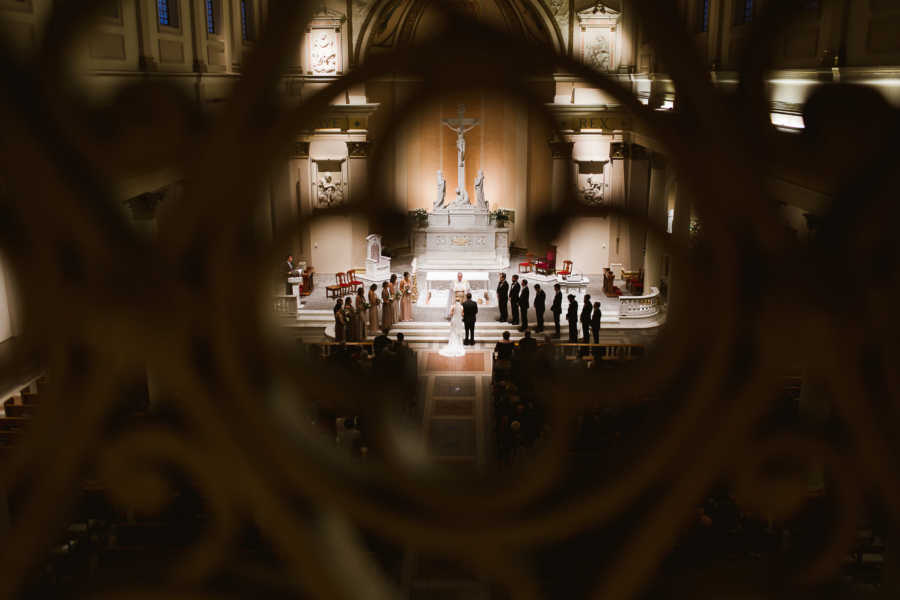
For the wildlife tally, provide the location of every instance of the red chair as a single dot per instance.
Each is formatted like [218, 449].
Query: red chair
[566, 270]
[344, 281]
[548, 265]
[527, 266]
[354, 282]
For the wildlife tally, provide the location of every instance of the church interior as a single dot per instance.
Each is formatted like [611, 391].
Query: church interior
[457, 299]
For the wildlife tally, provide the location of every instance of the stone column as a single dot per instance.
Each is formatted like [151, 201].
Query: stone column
[147, 22]
[561, 151]
[618, 154]
[627, 37]
[143, 214]
[358, 153]
[143, 211]
[681, 222]
[300, 163]
[638, 190]
[656, 214]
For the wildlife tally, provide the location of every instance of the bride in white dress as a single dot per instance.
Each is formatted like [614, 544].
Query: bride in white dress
[454, 345]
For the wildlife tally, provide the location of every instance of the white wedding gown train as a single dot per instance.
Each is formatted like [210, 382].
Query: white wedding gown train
[454, 345]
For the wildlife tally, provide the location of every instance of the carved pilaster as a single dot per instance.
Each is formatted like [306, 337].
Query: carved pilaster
[618, 151]
[358, 149]
[639, 152]
[561, 149]
[143, 207]
[148, 63]
[301, 149]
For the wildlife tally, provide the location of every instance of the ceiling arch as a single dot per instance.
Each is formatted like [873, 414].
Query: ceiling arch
[397, 23]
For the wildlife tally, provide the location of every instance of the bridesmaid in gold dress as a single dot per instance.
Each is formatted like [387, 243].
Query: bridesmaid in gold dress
[339, 321]
[374, 301]
[395, 292]
[359, 309]
[406, 310]
[387, 306]
[349, 321]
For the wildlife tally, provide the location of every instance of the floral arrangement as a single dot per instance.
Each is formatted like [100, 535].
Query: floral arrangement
[501, 216]
[420, 215]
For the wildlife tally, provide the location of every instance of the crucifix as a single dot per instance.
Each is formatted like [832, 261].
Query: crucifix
[460, 126]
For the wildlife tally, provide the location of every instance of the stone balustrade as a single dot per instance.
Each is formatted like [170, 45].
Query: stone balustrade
[633, 307]
[284, 306]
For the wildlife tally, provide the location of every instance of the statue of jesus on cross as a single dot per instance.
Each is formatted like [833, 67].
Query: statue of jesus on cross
[460, 126]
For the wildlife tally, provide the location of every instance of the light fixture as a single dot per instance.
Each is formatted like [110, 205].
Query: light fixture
[787, 122]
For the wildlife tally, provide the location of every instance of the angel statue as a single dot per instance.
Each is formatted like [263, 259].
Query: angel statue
[441, 189]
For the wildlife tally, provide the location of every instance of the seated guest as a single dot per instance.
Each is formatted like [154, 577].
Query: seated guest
[349, 437]
[401, 347]
[527, 345]
[382, 341]
[504, 348]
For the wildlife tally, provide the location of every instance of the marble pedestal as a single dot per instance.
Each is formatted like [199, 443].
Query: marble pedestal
[460, 246]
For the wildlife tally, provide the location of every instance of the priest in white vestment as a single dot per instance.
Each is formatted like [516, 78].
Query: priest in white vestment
[460, 289]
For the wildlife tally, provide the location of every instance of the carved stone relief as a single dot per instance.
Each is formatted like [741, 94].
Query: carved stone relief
[323, 52]
[329, 181]
[592, 182]
[597, 50]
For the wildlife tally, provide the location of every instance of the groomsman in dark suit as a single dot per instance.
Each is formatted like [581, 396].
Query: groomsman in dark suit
[514, 299]
[586, 312]
[524, 303]
[596, 317]
[540, 303]
[503, 297]
[556, 307]
[572, 318]
[470, 309]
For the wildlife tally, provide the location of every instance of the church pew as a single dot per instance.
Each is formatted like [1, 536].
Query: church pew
[13, 423]
[21, 410]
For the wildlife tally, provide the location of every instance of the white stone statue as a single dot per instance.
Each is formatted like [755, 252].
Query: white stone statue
[461, 200]
[480, 202]
[441, 189]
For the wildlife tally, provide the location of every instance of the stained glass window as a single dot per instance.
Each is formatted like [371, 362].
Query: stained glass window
[165, 16]
[245, 25]
[210, 16]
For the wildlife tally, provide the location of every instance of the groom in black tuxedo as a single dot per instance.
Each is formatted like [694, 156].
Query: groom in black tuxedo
[470, 309]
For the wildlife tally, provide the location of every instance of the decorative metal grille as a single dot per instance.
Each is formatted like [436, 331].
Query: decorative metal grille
[103, 302]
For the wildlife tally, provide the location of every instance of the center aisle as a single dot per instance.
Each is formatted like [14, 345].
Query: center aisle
[457, 404]
[455, 420]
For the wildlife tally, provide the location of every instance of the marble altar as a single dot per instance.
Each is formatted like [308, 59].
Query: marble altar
[461, 243]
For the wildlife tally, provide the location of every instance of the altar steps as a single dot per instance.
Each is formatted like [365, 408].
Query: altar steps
[318, 324]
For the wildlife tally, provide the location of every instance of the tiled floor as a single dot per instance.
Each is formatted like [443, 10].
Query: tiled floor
[453, 411]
